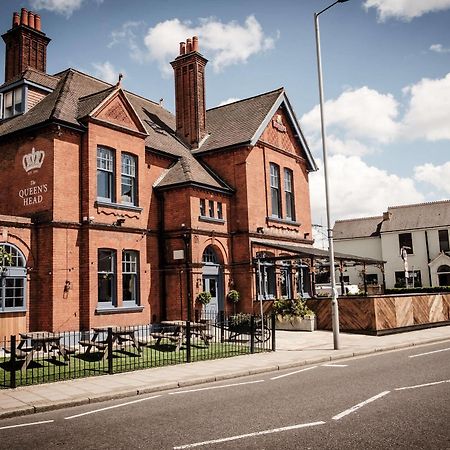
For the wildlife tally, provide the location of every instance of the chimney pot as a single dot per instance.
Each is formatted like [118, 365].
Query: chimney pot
[188, 45]
[195, 44]
[182, 48]
[37, 22]
[23, 16]
[30, 19]
[16, 19]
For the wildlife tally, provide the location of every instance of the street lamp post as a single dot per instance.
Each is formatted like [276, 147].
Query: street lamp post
[334, 301]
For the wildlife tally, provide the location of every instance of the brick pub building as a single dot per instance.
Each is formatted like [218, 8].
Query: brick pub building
[117, 212]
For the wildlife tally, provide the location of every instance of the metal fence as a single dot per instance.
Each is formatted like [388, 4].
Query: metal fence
[41, 357]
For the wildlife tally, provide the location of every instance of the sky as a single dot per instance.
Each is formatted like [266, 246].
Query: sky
[386, 66]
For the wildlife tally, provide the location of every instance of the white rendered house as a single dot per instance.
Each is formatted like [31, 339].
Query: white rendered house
[420, 232]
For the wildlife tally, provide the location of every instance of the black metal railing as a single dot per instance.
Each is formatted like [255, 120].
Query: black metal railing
[40, 357]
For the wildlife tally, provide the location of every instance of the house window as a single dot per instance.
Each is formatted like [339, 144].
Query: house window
[266, 277]
[202, 207]
[372, 278]
[289, 194]
[405, 241]
[12, 279]
[413, 279]
[105, 174]
[219, 210]
[443, 241]
[275, 190]
[106, 277]
[211, 208]
[129, 185]
[13, 102]
[209, 256]
[130, 277]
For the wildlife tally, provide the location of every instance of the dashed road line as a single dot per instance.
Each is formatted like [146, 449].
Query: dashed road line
[422, 385]
[334, 365]
[111, 407]
[359, 405]
[248, 435]
[215, 387]
[430, 353]
[26, 424]
[292, 373]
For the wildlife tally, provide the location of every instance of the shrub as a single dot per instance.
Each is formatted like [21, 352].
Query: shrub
[203, 298]
[418, 290]
[292, 308]
[233, 296]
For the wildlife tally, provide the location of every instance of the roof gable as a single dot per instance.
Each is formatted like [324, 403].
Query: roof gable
[114, 107]
[440, 260]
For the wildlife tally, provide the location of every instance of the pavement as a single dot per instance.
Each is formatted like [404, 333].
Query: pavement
[294, 349]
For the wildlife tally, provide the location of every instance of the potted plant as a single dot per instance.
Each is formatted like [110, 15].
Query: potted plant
[293, 314]
[233, 297]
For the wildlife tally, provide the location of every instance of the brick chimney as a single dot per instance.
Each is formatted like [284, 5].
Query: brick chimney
[189, 68]
[26, 44]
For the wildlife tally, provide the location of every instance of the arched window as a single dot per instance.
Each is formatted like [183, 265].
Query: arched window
[13, 274]
[209, 256]
[443, 274]
[443, 269]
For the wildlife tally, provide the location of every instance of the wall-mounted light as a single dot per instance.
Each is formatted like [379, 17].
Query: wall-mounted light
[119, 222]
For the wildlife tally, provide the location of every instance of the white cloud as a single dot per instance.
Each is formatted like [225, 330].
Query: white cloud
[107, 72]
[359, 113]
[437, 176]
[439, 48]
[228, 101]
[405, 9]
[358, 190]
[336, 145]
[224, 43]
[428, 114]
[64, 7]
[127, 34]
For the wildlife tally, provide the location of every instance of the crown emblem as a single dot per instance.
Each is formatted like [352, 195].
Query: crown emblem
[33, 160]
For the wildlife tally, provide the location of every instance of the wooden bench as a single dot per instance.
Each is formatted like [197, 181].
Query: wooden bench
[99, 345]
[175, 337]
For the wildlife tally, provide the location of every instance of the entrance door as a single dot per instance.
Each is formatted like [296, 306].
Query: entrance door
[210, 284]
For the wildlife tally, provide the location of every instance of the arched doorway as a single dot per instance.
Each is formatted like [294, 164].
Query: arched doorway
[443, 274]
[212, 281]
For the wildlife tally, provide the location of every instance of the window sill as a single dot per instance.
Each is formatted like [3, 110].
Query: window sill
[13, 311]
[210, 219]
[283, 221]
[102, 204]
[118, 310]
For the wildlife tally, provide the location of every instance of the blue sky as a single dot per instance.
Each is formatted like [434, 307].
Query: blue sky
[386, 76]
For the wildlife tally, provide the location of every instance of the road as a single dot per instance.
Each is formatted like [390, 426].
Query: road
[397, 399]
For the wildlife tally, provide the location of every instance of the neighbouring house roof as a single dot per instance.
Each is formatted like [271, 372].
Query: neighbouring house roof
[242, 123]
[422, 215]
[357, 228]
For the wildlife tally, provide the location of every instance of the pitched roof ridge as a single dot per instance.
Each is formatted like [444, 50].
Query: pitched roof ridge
[146, 99]
[280, 89]
[185, 165]
[355, 219]
[419, 204]
[85, 97]
[71, 69]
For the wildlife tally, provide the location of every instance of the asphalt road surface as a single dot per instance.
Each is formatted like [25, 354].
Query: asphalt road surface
[399, 399]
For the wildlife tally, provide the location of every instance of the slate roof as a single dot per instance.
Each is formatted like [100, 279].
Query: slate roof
[421, 215]
[236, 123]
[357, 228]
[76, 94]
[35, 76]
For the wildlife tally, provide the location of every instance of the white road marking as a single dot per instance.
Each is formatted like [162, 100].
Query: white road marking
[334, 365]
[359, 405]
[112, 407]
[293, 373]
[243, 436]
[26, 424]
[429, 353]
[422, 385]
[215, 387]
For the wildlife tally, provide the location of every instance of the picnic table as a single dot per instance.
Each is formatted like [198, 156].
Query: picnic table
[38, 343]
[175, 331]
[120, 337]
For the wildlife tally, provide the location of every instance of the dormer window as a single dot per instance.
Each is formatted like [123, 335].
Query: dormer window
[13, 102]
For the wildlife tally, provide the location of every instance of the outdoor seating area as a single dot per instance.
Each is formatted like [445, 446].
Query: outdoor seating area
[38, 357]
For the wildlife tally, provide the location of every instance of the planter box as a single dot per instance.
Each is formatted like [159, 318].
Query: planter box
[295, 323]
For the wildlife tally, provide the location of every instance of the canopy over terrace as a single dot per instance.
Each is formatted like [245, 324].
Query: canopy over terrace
[311, 258]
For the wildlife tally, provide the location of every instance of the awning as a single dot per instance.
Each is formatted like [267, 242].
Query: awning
[316, 253]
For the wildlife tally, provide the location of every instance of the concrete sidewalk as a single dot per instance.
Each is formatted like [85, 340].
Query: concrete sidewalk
[293, 349]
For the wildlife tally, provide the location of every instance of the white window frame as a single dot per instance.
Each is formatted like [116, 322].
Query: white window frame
[15, 271]
[130, 266]
[106, 165]
[128, 173]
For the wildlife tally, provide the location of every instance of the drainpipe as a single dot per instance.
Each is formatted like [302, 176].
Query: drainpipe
[428, 258]
[162, 256]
